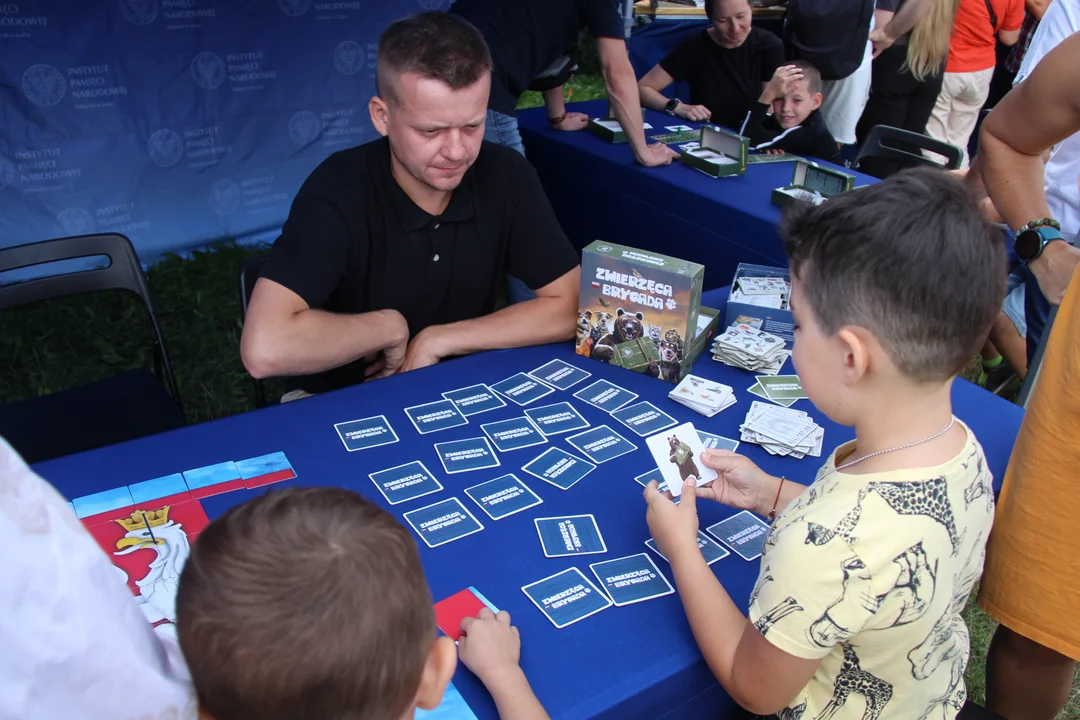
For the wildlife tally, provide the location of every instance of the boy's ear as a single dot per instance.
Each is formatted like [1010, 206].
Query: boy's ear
[438, 670]
[816, 101]
[856, 346]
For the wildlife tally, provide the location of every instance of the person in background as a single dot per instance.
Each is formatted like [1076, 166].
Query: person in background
[73, 642]
[726, 65]
[786, 118]
[966, 83]
[311, 604]
[526, 36]
[908, 68]
[1032, 578]
[1009, 59]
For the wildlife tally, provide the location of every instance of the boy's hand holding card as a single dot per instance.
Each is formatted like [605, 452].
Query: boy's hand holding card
[677, 453]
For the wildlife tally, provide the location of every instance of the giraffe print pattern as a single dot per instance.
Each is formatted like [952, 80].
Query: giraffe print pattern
[853, 679]
[785, 607]
[926, 497]
[819, 534]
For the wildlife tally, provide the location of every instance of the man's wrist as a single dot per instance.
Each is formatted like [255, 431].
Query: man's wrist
[395, 326]
[1053, 249]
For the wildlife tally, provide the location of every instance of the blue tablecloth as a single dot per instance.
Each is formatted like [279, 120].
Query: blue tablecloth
[599, 192]
[637, 661]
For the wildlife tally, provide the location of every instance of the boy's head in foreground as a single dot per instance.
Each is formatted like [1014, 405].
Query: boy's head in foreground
[310, 603]
[802, 98]
[894, 289]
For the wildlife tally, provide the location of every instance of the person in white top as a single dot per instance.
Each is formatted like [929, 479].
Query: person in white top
[74, 642]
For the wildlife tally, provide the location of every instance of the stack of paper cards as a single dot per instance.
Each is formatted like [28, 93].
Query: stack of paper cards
[677, 453]
[770, 292]
[782, 431]
[785, 390]
[746, 347]
[703, 396]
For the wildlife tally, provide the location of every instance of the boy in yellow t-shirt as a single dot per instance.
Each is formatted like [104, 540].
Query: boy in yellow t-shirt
[856, 610]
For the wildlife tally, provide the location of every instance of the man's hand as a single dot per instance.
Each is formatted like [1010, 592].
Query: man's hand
[741, 484]
[425, 349]
[673, 527]
[782, 83]
[881, 41]
[696, 113]
[1054, 269]
[387, 361]
[657, 154]
[573, 121]
[489, 646]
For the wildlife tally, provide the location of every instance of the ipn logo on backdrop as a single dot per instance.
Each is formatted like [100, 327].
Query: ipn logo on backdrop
[224, 197]
[44, 85]
[295, 8]
[7, 172]
[140, 12]
[304, 127]
[74, 221]
[349, 57]
[165, 148]
[208, 70]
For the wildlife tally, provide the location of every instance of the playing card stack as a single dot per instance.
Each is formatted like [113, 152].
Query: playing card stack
[770, 292]
[782, 431]
[703, 396]
[746, 347]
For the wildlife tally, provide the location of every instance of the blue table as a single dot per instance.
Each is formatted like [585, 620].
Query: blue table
[600, 193]
[638, 661]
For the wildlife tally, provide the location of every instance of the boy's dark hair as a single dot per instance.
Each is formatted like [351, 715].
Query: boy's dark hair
[910, 259]
[811, 75]
[434, 44]
[712, 7]
[305, 603]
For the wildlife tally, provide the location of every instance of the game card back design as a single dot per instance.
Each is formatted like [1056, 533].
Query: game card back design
[712, 441]
[632, 579]
[601, 444]
[513, 434]
[559, 374]
[475, 399]
[557, 418]
[465, 455]
[405, 482]
[522, 389]
[435, 416]
[503, 496]
[566, 597]
[366, 433]
[606, 396]
[570, 535]
[443, 522]
[559, 468]
[710, 549]
[644, 418]
[744, 532]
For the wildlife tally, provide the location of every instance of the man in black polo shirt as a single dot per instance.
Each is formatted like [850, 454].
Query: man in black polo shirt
[527, 36]
[727, 66]
[394, 252]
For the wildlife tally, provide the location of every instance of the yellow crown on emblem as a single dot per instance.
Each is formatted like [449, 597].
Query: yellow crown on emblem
[141, 518]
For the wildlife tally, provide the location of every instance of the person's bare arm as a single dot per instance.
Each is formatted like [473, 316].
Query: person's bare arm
[1038, 113]
[555, 103]
[1008, 38]
[1037, 7]
[651, 88]
[283, 336]
[902, 21]
[625, 102]
[551, 317]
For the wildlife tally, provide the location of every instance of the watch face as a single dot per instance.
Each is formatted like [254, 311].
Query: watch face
[1027, 245]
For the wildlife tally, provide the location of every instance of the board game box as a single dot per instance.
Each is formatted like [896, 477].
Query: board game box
[720, 153]
[812, 183]
[609, 128]
[753, 310]
[638, 310]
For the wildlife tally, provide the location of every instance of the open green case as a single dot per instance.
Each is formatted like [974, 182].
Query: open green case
[812, 183]
[719, 153]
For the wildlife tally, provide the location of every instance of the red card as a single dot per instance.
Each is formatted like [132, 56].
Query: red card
[450, 612]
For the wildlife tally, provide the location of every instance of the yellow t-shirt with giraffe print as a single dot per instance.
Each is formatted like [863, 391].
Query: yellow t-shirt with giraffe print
[870, 573]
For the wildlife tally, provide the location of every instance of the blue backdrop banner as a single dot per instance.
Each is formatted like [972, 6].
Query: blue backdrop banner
[177, 122]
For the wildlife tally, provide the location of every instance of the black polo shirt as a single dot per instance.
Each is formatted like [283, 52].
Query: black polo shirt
[526, 36]
[725, 80]
[354, 242]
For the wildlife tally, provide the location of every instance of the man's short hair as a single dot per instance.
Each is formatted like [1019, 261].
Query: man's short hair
[712, 8]
[811, 74]
[910, 259]
[305, 603]
[435, 45]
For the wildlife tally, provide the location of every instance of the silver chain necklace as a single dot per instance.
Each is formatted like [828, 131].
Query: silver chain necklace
[935, 436]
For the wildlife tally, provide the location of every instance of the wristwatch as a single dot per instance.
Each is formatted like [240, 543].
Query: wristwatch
[671, 105]
[1029, 242]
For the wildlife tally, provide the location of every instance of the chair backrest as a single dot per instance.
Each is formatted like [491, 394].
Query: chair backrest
[904, 148]
[249, 274]
[124, 272]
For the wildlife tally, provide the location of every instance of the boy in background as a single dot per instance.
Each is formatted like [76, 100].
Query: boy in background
[786, 116]
[856, 611]
[311, 604]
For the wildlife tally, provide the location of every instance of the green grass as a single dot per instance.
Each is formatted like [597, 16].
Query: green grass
[64, 343]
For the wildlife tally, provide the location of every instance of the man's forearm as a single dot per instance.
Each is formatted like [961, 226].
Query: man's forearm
[554, 101]
[1014, 180]
[626, 103]
[314, 341]
[533, 322]
[651, 98]
[906, 17]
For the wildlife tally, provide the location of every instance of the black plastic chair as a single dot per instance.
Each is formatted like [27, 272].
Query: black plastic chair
[249, 274]
[891, 149]
[125, 406]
